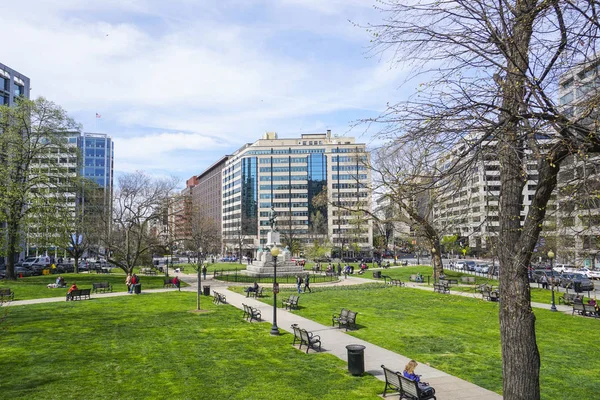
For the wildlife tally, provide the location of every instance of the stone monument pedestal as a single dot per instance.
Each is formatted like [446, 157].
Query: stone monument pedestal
[264, 265]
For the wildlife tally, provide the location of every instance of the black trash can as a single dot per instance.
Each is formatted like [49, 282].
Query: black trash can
[577, 287]
[206, 290]
[376, 274]
[137, 288]
[356, 359]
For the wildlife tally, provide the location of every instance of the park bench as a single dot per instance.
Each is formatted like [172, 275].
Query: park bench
[309, 340]
[411, 390]
[570, 298]
[291, 302]
[449, 282]
[345, 318]
[103, 270]
[302, 336]
[6, 294]
[219, 298]
[584, 310]
[490, 295]
[392, 381]
[168, 283]
[467, 279]
[590, 311]
[441, 288]
[102, 286]
[251, 313]
[148, 271]
[79, 294]
[395, 282]
[258, 293]
[406, 388]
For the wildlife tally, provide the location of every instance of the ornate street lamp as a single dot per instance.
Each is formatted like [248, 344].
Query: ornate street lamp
[551, 257]
[275, 253]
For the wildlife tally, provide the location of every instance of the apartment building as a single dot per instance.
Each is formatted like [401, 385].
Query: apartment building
[469, 208]
[316, 183]
[578, 212]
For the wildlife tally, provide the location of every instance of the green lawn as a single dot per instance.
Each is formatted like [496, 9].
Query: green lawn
[151, 346]
[35, 287]
[537, 295]
[460, 335]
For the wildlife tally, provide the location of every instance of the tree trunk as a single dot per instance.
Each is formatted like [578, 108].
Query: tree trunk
[520, 355]
[12, 245]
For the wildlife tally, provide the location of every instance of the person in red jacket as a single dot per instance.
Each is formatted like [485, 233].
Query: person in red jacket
[73, 287]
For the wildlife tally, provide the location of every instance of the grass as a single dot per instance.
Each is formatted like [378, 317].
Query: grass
[35, 287]
[150, 346]
[538, 295]
[460, 335]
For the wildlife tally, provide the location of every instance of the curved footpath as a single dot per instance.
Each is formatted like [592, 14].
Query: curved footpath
[335, 340]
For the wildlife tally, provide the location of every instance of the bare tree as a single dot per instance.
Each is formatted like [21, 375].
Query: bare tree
[402, 177]
[137, 204]
[490, 71]
[204, 239]
[29, 133]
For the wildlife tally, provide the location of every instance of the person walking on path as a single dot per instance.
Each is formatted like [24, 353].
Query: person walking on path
[204, 272]
[298, 283]
[128, 283]
[307, 283]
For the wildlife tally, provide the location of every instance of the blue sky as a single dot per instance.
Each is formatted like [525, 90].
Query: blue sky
[181, 83]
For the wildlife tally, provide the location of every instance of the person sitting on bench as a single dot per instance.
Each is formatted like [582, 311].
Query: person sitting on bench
[409, 373]
[253, 288]
[71, 289]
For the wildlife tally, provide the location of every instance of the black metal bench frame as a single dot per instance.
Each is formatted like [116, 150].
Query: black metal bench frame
[79, 294]
[569, 298]
[291, 302]
[251, 313]
[302, 336]
[219, 298]
[6, 292]
[441, 288]
[168, 283]
[103, 286]
[346, 318]
[394, 380]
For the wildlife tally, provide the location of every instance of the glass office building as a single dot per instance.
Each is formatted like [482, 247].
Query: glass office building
[97, 152]
[12, 84]
[310, 182]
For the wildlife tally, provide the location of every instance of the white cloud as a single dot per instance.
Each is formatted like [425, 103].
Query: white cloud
[188, 66]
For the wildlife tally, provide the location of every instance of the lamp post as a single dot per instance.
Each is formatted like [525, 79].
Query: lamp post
[551, 257]
[275, 253]
[433, 264]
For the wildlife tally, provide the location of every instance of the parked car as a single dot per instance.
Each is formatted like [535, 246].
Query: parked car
[590, 273]
[564, 268]
[482, 268]
[22, 271]
[28, 261]
[64, 268]
[569, 280]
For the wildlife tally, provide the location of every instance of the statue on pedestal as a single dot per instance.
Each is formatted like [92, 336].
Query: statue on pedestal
[273, 219]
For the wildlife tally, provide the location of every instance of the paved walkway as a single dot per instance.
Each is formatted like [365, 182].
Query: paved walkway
[334, 340]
